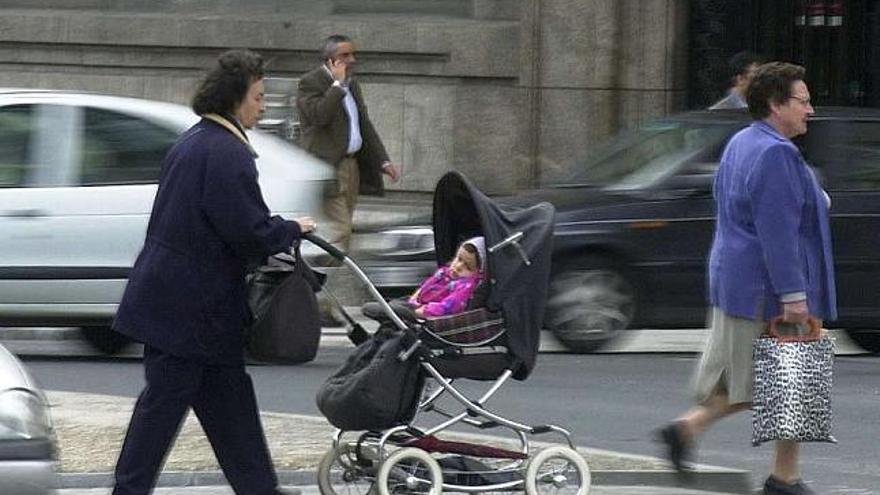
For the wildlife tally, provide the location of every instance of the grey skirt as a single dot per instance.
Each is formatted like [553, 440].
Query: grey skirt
[727, 365]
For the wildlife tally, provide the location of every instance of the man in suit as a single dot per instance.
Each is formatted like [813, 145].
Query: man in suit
[335, 127]
[742, 67]
[186, 297]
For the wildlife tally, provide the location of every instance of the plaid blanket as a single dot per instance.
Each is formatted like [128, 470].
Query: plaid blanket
[471, 328]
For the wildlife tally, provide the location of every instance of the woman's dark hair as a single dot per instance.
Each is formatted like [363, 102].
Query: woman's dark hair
[226, 84]
[771, 84]
[473, 250]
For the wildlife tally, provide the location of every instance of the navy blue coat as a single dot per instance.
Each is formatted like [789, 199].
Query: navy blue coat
[186, 294]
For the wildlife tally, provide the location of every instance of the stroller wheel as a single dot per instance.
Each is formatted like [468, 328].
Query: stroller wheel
[340, 473]
[409, 471]
[557, 470]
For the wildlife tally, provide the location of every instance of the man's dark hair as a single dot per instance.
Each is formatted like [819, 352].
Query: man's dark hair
[771, 84]
[328, 49]
[739, 63]
[225, 86]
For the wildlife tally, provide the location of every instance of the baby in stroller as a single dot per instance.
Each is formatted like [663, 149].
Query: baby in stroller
[450, 290]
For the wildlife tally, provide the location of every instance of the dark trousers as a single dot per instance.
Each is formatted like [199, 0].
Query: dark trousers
[223, 400]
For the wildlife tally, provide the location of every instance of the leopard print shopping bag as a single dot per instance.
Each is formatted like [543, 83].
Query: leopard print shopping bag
[792, 388]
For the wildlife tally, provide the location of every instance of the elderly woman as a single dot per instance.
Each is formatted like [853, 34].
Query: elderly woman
[186, 298]
[771, 256]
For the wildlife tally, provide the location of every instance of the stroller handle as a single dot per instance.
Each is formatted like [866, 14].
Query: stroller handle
[326, 246]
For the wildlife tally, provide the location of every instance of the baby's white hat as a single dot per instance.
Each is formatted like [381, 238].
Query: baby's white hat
[479, 242]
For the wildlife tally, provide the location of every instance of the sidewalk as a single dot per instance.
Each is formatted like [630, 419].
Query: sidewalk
[90, 430]
[313, 490]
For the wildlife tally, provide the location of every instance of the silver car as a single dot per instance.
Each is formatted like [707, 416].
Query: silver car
[78, 174]
[27, 438]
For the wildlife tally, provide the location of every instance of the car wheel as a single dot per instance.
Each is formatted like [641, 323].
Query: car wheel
[104, 339]
[868, 340]
[590, 304]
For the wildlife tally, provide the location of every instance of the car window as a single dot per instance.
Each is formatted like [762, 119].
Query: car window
[122, 149]
[640, 158]
[16, 124]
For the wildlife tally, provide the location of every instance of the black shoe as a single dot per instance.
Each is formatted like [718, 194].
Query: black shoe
[288, 491]
[774, 486]
[677, 450]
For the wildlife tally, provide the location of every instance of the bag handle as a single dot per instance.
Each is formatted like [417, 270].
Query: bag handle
[301, 268]
[297, 257]
[815, 330]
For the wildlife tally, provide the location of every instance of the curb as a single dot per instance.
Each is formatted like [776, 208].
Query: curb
[725, 481]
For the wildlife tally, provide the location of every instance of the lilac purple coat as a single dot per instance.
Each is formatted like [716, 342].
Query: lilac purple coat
[772, 236]
[442, 295]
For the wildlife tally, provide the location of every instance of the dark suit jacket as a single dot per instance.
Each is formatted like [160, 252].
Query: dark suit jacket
[186, 294]
[324, 127]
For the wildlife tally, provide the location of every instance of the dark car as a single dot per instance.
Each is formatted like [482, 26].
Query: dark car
[634, 226]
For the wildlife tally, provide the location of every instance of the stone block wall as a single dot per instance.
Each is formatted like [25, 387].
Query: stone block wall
[510, 92]
[603, 65]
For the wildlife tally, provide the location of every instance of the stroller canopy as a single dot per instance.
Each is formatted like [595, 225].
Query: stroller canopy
[517, 288]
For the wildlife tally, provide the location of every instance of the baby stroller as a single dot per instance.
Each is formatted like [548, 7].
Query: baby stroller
[495, 340]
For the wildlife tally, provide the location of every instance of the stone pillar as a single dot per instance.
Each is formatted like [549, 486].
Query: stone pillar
[603, 65]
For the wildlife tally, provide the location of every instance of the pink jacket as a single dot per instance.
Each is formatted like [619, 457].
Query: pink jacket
[442, 295]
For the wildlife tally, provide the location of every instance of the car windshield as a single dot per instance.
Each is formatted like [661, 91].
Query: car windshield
[640, 158]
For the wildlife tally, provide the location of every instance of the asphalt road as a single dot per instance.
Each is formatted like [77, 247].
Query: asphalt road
[609, 401]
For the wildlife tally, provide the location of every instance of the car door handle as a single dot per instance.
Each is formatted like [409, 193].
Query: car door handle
[26, 213]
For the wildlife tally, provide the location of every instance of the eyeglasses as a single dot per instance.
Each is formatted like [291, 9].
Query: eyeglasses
[805, 100]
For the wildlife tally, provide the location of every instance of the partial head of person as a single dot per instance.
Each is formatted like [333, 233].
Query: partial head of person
[233, 87]
[338, 49]
[469, 258]
[779, 96]
[742, 68]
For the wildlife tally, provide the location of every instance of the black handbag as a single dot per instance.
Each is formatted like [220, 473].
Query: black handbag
[286, 327]
[374, 389]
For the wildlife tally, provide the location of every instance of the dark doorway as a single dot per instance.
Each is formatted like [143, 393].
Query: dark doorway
[838, 41]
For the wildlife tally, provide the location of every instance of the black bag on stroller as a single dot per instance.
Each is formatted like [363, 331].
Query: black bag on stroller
[373, 390]
[287, 325]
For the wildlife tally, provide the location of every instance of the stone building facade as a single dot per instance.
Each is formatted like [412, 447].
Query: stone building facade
[513, 93]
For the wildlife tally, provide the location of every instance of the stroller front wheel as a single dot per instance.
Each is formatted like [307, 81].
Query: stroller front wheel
[410, 471]
[340, 472]
[557, 470]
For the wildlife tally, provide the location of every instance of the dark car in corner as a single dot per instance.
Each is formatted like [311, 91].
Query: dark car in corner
[634, 225]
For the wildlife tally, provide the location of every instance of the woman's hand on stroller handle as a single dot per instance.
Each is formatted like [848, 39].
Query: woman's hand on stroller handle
[306, 224]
